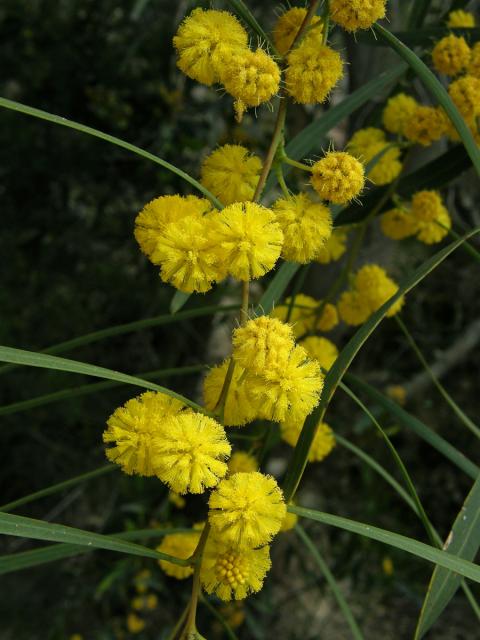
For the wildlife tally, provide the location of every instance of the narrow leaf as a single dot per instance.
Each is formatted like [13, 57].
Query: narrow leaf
[180, 298]
[275, 290]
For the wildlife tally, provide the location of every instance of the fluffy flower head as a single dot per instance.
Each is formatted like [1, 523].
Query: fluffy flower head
[246, 509]
[179, 545]
[231, 173]
[426, 125]
[474, 66]
[431, 217]
[460, 19]
[465, 93]
[242, 462]
[398, 112]
[338, 177]
[397, 224]
[368, 143]
[312, 71]
[357, 14]
[334, 247]
[451, 55]
[261, 342]
[305, 315]
[321, 350]
[287, 26]
[323, 442]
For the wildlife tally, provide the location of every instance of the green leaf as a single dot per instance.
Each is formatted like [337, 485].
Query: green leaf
[247, 16]
[414, 547]
[427, 36]
[300, 455]
[414, 424]
[464, 542]
[33, 359]
[418, 12]
[332, 583]
[437, 90]
[275, 290]
[179, 299]
[44, 115]
[13, 525]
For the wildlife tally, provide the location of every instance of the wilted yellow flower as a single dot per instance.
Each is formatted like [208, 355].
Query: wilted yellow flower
[323, 442]
[287, 26]
[334, 248]
[231, 173]
[134, 623]
[231, 572]
[312, 71]
[465, 93]
[242, 462]
[202, 39]
[426, 125]
[306, 227]
[460, 19]
[338, 177]
[431, 217]
[397, 224]
[357, 14]
[246, 510]
[399, 110]
[451, 55]
[305, 316]
[178, 545]
[260, 342]
[321, 350]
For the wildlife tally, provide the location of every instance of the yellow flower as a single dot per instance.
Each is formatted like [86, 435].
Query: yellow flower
[431, 217]
[312, 71]
[239, 409]
[248, 239]
[398, 393]
[141, 581]
[465, 93]
[338, 177]
[334, 248]
[474, 66]
[426, 125]
[251, 77]
[242, 462]
[233, 573]
[231, 173]
[460, 19]
[398, 112]
[246, 510]
[133, 427]
[353, 308]
[357, 14]
[134, 623]
[176, 499]
[321, 350]
[146, 602]
[323, 442]
[186, 254]
[387, 566]
[397, 224]
[451, 55]
[305, 317]
[234, 614]
[201, 41]
[178, 545]
[290, 389]
[259, 343]
[366, 144]
[155, 215]
[289, 522]
[306, 227]
[287, 26]
[189, 452]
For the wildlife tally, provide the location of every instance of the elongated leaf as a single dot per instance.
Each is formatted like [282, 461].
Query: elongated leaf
[341, 365]
[276, 288]
[64, 122]
[247, 16]
[414, 547]
[464, 542]
[32, 359]
[178, 301]
[437, 90]
[13, 525]
[414, 424]
[418, 12]
[425, 37]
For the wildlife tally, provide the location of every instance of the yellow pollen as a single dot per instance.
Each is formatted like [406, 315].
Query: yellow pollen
[228, 569]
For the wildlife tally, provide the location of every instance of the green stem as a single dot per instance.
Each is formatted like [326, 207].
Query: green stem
[295, 163]
[216, 614]
[190, 625]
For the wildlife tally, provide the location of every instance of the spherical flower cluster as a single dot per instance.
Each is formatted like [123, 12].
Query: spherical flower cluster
[371, 288]
[367, 145]
[260, 342]
[334, 247]
[305, 316]
[287, 26]
[465, 93]
[398, 112]
[426, 125]
[323, 441]
[242, 462]
[231, 173]
[451, 55]
[459, 19]
[338, 177]
[239, 409]
[398, 224]
[246, 510]
[231, 572]
[357, 14]
[306, 227]
[203, 38]
[321, 350]
[474, 66]
[179, 545]
[431, 217]
[312, 71]
[289, 522]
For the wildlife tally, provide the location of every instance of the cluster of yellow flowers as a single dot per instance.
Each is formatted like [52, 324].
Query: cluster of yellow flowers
[371, 145]
[143, 602]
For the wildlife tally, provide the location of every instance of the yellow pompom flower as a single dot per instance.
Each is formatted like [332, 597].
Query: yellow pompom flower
[251, 77]
[398, 393]
[289, 522]
[426, 125]
[474, 66]
[398, 112]
[397, 224]
[465, 93]
[312, 71]
[155, 215]
[353, 308]
[431, 217]
[321, 350]
[242, 462]
[231, 173]
[233, 573]
[334, 247]
[132, 429]
[146, 602]
[338, 177]
[141, 581]
[290, 389]
[357, 14]
[135, 624]
[179, 545]
[459, 19]
[248, 239]
[187, 256]
[451, 55]
[259, 343]
[323, 442]
[287, 26]
[306, 227]
[202, 39]
[246, 510]
[305, 317]
[239, 409]
[189, 452]
[366, 144]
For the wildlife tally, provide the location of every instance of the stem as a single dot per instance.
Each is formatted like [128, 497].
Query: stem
[245, 296]
[276, 138]
[179, 624]
[326, 21]
[295, 163]
[190, 626]
[281, 181]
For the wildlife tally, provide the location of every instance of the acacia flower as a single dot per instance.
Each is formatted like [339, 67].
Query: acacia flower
[321, 350]
[261, 342]
[460, 19]
[246, 510]
[465, 93]
[305, 316]
[398, 111]
[231, 173]
[474, 66]
[135, 624]
[368, 143]
[431, 217]
[242, 462]
[338, 177]
[323, 441]
[357, 14]
[451, 55]
[312, 71]
[426, 125]
[334, 247]
[397, 224]
[287, 26]
[179, 545]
